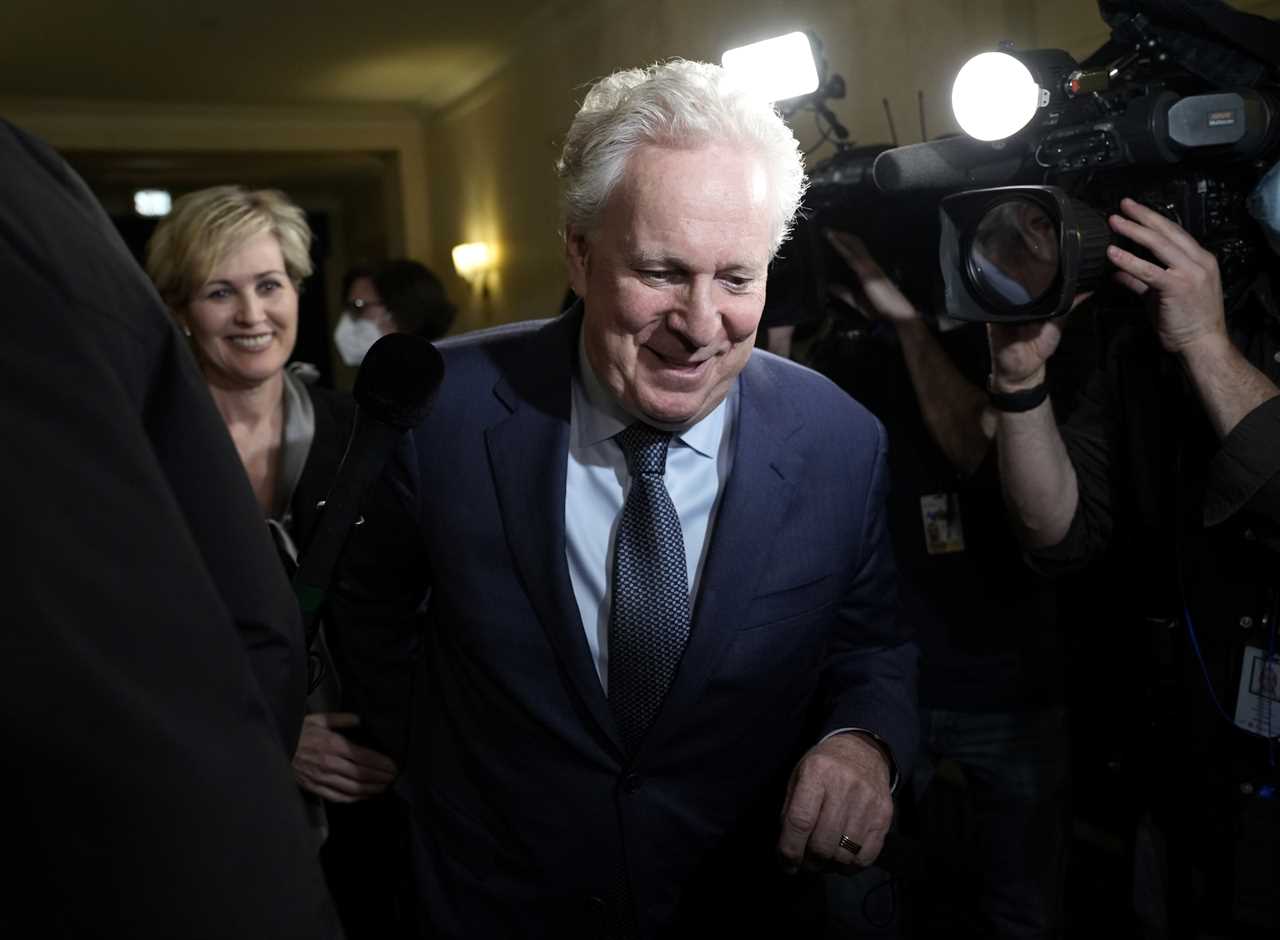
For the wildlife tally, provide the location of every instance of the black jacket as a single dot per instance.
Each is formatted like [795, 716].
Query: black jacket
[151, 668]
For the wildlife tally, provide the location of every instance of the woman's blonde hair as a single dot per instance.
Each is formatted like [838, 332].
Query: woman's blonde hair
[207, 225]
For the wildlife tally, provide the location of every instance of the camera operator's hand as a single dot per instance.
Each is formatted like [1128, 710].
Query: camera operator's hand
[878, 297]
[1185, 296]
[1036, 474]
[955, 410]
[1019, 352]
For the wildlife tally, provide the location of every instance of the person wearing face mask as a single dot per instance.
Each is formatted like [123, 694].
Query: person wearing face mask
[229, 263]
[402, 296]
[364, 319]
[1172, 460]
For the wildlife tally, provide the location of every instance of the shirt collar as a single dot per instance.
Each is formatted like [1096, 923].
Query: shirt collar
[599, 415]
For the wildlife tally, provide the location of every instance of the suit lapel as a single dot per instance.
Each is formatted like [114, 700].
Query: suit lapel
[754, 503]
[528, 453]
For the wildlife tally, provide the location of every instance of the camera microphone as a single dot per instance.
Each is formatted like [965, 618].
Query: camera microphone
[948, 164]
[394, 391]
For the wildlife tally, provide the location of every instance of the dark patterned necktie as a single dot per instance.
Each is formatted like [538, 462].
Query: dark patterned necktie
[649, 620]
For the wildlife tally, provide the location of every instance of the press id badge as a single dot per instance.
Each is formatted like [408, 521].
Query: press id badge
[943, 531]
[1258, 704]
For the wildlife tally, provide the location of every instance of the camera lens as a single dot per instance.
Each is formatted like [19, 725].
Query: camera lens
[1019, 253]
[1013, 257]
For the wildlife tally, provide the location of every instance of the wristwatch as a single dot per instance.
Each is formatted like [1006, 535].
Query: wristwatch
[1014, 402]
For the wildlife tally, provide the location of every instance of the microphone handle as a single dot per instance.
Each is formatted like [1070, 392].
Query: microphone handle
[367, 453]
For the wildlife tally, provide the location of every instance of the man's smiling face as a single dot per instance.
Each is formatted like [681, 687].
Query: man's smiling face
[673, 279]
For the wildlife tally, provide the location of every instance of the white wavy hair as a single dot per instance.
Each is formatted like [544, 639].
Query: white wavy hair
[679, 104]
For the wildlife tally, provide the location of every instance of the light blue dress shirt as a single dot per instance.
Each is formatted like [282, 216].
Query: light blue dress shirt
[698, 463]
[699, 459]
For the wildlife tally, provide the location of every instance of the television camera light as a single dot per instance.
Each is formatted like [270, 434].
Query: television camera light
[777, 69]
[994, 96]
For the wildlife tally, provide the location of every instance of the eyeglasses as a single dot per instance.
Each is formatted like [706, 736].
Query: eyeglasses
[358, 307]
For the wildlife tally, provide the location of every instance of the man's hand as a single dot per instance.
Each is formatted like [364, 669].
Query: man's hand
[329, 765]
[839, 788]
[879, 298]
[1185, 299]
[1185, 296]
[1019, 352]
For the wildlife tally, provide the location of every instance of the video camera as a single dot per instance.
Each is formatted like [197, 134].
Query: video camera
[1180, 110]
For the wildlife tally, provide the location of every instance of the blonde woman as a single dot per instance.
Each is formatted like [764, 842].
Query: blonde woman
[229, 263]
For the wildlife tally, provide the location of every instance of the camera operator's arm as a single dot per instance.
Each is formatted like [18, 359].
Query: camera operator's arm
[1185, 298]
[956, 412]
[1036, 472]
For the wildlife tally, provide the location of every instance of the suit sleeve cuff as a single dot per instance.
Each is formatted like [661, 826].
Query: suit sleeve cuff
[878, 742]
[1246, 470]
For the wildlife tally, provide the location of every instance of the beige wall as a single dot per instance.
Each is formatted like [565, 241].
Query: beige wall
[492, 154]
[393, 134]
[482, 169]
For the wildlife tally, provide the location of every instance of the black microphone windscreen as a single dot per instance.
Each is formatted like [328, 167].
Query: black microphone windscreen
[949, 164]
[398, 380]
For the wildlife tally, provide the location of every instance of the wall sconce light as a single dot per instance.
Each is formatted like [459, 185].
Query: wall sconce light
[472, 260]
[152, 203]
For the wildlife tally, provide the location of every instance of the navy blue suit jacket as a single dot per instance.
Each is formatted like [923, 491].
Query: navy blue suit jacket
[527, 804]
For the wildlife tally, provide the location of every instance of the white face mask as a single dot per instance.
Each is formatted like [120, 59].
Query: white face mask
[353, 338]
[1264, 205]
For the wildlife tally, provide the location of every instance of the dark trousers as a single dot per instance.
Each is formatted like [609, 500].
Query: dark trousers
[367, 866]
[986, 813]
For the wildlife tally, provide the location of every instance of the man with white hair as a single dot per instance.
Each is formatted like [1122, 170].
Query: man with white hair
[663, 672]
